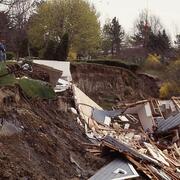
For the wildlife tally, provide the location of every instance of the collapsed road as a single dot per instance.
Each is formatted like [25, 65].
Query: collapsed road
[67, 135]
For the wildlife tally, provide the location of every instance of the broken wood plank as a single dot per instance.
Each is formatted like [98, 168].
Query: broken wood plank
[93, 150]
[155, 152]
[125, 149]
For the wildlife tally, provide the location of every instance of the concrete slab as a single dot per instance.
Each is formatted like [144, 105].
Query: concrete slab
[63, 66]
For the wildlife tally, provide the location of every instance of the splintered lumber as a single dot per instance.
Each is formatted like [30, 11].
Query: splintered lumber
[158, 173]
[176, 149]
[89, 144]
[156, 153]
[125, 149]
[128, 105]
[142, 167]
[94, 150]
[146, 136]
[171, 173]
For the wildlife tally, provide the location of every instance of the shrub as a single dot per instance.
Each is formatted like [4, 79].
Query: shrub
[72, 55]
[10, 55]
[153, 62]
[174, 72]
[49, 51]
[6, 79]
[116, 63]
[62, 48]
[169, 89]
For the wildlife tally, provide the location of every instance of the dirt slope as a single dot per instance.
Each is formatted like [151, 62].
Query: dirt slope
[43, 139]
[110, 85]
[49, 145]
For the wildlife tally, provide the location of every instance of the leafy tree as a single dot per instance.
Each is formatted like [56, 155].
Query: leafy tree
[159, 43]
[75, 17]
[173, 72]
[49, 50]
[164, 41]
[114, 33]
[171, 87]
[62, 48]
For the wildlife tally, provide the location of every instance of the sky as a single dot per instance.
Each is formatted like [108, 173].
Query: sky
[127, 12]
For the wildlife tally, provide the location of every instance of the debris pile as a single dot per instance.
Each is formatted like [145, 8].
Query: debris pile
[146, 133]
[49, 128]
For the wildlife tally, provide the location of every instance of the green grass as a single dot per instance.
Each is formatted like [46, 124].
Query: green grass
[32, 88]
[36, 89]
[7, 80]
[115, 63]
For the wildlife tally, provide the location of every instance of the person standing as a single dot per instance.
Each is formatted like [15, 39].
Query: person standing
[2, 52]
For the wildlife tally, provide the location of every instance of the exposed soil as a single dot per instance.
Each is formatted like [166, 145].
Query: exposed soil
[50, 145]
[110, 85]
[40, 72]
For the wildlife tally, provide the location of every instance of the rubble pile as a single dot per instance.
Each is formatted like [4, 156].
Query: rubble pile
[68, 135]
[146, 133]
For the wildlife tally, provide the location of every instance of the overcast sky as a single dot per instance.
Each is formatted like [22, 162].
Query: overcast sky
[127, 11]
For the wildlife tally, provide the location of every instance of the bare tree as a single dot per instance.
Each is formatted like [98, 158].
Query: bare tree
[149, 20]
[19, 12]
[144, 26]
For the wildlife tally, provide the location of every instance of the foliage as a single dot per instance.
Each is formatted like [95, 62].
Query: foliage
[169, 89]
[10, 55]
[72, 55]
[159, 43]
[106, 46]
[62, 48]
[36, 89]
[154, 58]
[49, 50]
[174, 72]
[75, 17]
[152, 62]
[32, 88]
[116, 63]
[8, 79]
[113, 34]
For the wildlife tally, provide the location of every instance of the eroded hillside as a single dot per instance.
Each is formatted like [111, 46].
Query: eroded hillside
[110, 85]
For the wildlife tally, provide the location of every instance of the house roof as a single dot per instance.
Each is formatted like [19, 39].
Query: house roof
[169, 123]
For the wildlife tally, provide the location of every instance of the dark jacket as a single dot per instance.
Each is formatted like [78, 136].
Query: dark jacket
[2, 47]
